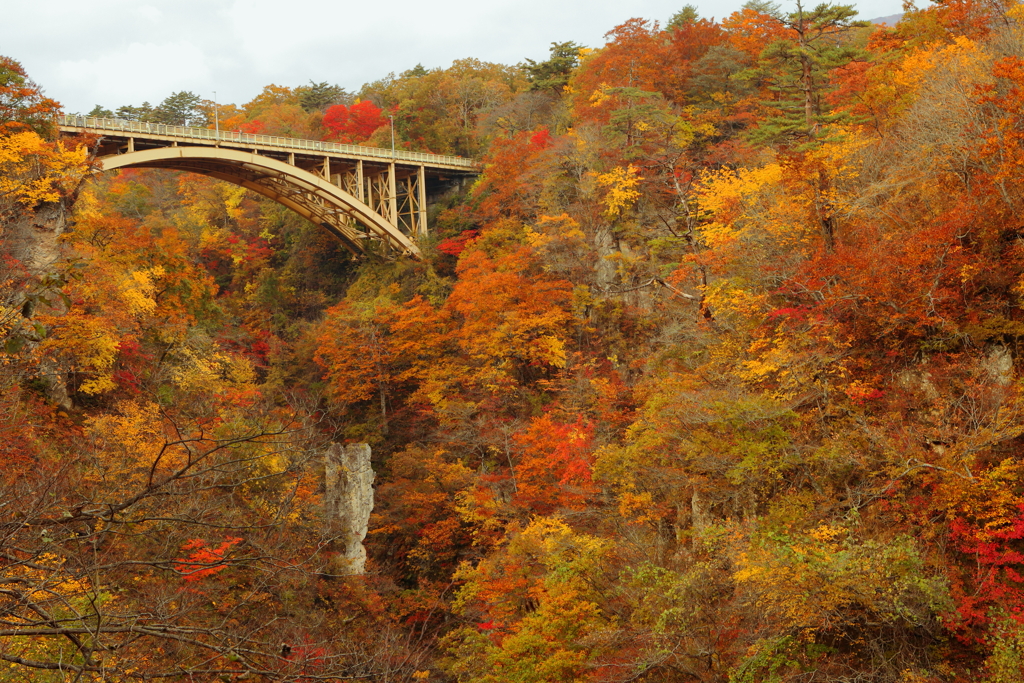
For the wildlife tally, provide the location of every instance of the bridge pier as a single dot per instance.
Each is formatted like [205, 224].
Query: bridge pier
[400, 197]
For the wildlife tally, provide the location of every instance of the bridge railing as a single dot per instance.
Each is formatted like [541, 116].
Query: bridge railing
[144, 128]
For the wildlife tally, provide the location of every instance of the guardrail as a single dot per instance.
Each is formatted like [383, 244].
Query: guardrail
[123, 126]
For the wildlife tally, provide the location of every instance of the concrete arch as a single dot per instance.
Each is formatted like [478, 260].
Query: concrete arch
[309, 195]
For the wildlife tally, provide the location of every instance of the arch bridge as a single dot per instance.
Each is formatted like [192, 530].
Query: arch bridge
[363, 195]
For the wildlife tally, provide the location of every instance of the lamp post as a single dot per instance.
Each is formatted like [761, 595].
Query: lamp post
[216, 117]
[392, 117]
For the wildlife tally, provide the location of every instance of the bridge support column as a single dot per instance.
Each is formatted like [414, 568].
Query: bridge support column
[412, 202]
[351, 180]
[380, 195]
[393, 193]
[422, 177]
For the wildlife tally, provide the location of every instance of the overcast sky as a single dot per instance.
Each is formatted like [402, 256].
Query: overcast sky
[117, 52]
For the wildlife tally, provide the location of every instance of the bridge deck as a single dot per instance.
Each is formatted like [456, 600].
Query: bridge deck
[364, 195]
[270, 143]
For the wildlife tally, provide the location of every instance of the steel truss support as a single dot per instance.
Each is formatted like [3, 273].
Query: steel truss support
[309, 192]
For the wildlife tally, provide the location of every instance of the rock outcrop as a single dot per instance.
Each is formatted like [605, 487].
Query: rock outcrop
[33, 239]
[348, 501]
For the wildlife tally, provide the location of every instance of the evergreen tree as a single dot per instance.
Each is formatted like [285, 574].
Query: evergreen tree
[101, 111]
[418, 70]
[797, 69]
[689, 14]
[128, 112]
[180, 109]
[553, 74]
[320, 96]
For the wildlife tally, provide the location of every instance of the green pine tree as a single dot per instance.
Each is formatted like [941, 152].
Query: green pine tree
[553, 74]
[797, 71]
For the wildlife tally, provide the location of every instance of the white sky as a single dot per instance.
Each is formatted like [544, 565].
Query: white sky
[117, 52]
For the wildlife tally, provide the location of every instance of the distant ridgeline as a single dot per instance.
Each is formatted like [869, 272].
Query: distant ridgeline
[890, 20]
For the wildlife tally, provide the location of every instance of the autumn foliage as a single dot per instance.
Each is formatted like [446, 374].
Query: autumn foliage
[712, 374]
[354, 123]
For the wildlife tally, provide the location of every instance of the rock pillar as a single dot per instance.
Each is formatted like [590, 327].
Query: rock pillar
[348, 501]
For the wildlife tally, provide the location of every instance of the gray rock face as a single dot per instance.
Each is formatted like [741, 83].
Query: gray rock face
[998, 365]
[606, 246]
[348, 501]
[34, 239]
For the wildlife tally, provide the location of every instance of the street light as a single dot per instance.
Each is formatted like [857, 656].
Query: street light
[392, 117]
[216, 117]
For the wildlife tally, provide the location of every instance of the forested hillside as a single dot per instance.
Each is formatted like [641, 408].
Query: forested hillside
[711, 375]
